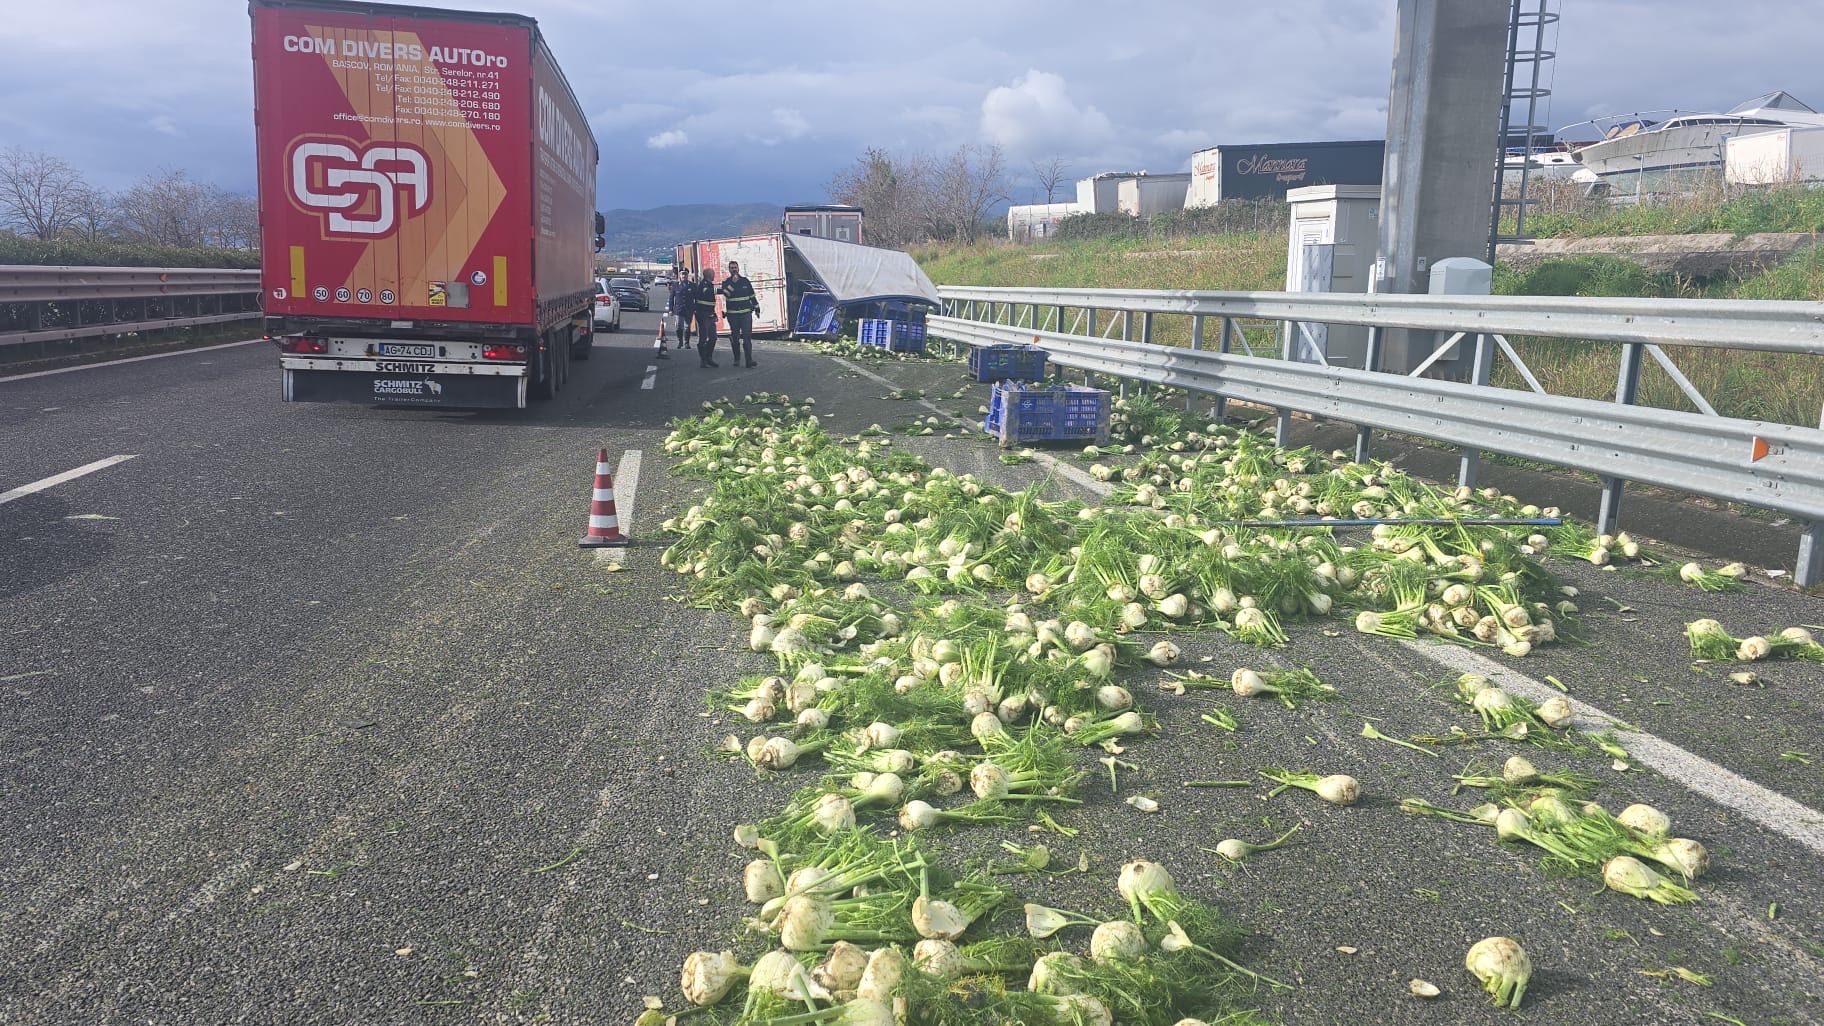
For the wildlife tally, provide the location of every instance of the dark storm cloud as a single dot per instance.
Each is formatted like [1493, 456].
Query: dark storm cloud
[720, 101]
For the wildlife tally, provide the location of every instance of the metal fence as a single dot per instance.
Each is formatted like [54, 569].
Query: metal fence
[49, 305]
[1776, 466]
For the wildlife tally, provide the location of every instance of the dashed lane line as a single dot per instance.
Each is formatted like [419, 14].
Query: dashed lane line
[1050, 462]
[652, 377]
[56, 479]
[130, 359]
[1767, 807]
[626, 483]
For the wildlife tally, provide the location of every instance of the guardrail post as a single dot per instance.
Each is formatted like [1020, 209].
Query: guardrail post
[1089, 379]
[1059, 325]
[1470, 460]
[1371, 361]
[1627, 388]
[1190, 397]
[1811, 555]
[1127, 335]
[1220, 408]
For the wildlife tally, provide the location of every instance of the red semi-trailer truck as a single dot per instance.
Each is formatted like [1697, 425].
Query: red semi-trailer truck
[427, 194]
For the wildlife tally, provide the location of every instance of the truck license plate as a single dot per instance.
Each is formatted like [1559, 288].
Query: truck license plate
[407, 349]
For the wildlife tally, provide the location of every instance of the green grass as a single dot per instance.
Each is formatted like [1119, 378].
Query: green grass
[1226, 263]
[1560, 212]
[1778, 387]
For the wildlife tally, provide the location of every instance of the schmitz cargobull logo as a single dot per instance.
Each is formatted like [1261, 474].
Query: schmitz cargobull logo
[332, 178]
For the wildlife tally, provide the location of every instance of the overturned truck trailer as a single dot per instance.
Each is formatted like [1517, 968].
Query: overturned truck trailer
[804, 284]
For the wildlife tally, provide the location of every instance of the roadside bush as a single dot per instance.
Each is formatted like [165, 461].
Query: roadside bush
[1800, 276]
[1584, 276]
[1230, 217]
[14, 250]
[1078, 227]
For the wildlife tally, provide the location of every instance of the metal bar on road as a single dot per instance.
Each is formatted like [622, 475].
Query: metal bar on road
[1513, 357]
[1469, 461]
[1678, 378]
[1220, 409]
[98, 330]
[1685, 451]
[1767, 325]
[1371, 362]
[1627, 387]
[34, 284]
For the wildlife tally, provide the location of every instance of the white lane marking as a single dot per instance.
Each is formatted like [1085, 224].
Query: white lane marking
[626, 483]
[652, 376]
[1770, 809]
[1052, 463]
[130, 359]
[53, 481]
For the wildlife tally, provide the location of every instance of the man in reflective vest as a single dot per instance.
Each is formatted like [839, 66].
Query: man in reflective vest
[678, 303]
[703, 301]
[741, 305]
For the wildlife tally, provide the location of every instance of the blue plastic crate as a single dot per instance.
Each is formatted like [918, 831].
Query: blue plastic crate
[908, 337]
[1020, 413]
[1007, 362]
[894, 336]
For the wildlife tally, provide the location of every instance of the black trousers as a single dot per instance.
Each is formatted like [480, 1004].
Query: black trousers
[706, 336]
[741, 335]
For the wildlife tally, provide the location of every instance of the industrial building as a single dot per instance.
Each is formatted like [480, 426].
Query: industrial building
[1270, 170]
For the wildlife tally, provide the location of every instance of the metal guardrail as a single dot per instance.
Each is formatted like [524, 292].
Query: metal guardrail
[1776, 466]
[58, 304]
[1772, 326]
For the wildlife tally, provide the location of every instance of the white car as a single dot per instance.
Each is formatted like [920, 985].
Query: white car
[607, 307]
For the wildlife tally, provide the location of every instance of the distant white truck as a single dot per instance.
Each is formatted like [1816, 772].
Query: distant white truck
[1779, 157]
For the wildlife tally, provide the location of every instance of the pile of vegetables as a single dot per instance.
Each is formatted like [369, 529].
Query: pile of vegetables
[945, 649]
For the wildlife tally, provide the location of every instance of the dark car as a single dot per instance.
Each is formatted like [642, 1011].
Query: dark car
[630, 292]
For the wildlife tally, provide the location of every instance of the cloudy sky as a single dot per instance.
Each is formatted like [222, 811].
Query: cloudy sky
[762, 101]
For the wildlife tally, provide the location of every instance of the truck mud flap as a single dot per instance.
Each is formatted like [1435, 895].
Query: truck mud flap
[459, 391]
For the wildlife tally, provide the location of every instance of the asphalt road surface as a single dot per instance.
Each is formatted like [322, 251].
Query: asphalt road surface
[316, 714]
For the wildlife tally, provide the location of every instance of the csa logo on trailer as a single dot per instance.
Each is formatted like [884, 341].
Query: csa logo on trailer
[361, 195]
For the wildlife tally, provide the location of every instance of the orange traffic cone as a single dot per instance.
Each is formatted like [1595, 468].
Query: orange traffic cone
[604, 525]
[658, 344]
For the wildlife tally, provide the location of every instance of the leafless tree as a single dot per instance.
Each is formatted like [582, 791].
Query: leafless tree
[37, 191]
[964, 187]
[167, 208]
[233, 221]
[1050, 173]
[94, 217]
[891, 190]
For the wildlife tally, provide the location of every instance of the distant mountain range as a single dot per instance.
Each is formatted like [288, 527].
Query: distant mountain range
[648, 233]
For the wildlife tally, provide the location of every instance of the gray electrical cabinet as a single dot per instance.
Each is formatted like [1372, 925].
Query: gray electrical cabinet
[1330, 248]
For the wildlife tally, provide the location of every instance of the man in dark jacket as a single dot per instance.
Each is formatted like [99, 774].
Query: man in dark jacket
[678, 302]
[740, 305]
[703, 302]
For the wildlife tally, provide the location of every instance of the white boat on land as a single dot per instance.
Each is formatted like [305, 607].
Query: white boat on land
[1638, 154]
[1540, 165]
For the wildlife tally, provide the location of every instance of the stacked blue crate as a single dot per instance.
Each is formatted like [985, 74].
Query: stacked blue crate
[1020, 413]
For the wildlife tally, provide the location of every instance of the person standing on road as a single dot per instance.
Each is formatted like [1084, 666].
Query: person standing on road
[678, 301]
[703, 301]
[741, 305]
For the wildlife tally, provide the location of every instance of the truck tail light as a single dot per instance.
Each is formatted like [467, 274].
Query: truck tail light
[504, 353]
[304, 344]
